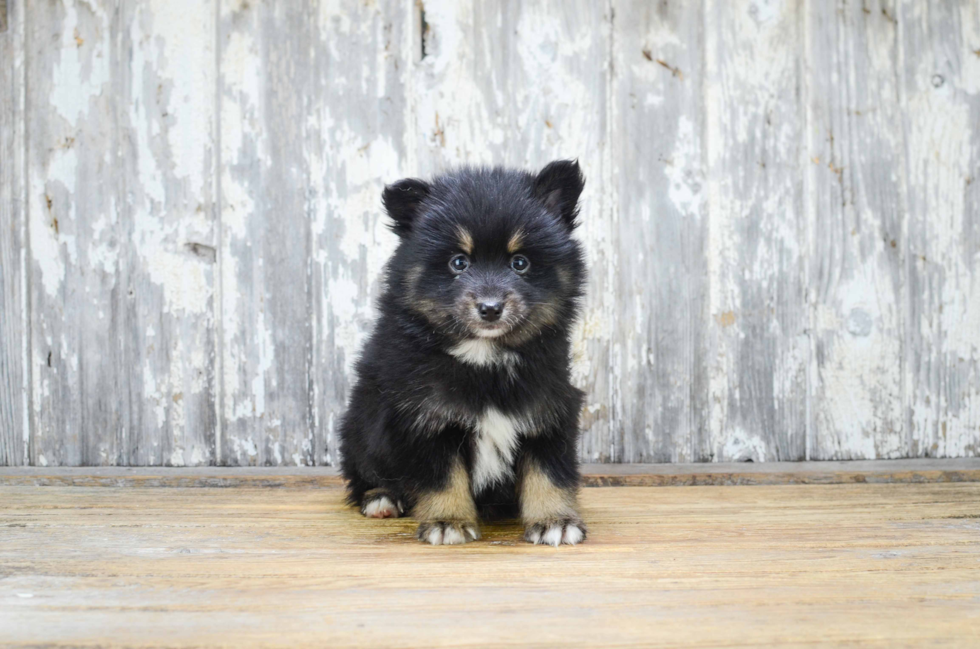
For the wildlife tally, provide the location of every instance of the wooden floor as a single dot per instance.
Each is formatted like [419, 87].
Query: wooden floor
[876, 564]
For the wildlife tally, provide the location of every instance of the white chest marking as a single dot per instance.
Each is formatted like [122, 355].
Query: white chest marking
[496, 440]
[482, 352]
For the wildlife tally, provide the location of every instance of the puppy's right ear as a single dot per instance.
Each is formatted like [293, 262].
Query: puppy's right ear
[558, 186]
[402, 200]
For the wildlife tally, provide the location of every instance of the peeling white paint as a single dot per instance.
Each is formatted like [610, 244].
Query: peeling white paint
[741, 445]
[80, 75]
[709, 299]
[684, 170]
[181, 40]
[266, 356]
[863, 372]
[757, 354]
[941, 120]
[47, 205]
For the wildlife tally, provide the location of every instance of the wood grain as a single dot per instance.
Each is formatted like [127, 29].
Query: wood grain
[312, 138]
[265, 105]
[74, 394]
[121, 231]
[358, 121]
[878, 565]
[511, 83]
[657, 379]
[756, 321]
[14, 335]
[940, 81]
[856, 215]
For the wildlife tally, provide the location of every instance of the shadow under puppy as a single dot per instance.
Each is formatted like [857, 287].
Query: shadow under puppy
[462, 406]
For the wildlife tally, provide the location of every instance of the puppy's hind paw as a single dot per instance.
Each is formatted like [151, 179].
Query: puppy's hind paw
[447, 533]
[568, 531]
[378, 504]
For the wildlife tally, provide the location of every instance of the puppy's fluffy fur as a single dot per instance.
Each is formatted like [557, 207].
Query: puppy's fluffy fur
[462, 407]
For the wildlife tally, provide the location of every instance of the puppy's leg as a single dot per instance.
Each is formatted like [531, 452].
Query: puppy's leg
[547, 494]
[447, 513]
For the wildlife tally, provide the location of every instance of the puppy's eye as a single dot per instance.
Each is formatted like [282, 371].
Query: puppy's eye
[520, 264]
[459, 263]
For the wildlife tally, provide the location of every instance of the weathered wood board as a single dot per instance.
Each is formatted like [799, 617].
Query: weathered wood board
[768, 566]
[699, 474]
[652, 285]
[358, 125]
[856, 209]
[14, 334]
[940, 85]
[121, 225]
[266, 328]
[756, 347]
[311, 138]
[781, 217]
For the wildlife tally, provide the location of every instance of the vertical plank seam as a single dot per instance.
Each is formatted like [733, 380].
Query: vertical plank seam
[216, 207]
[695, 315]
[124, 440]
[806, 147]
[842, 63]
[905, 202]
[27, 344]
[847, 52]
[410, 118]
[608, 200]
[310, 206]
[312, 313]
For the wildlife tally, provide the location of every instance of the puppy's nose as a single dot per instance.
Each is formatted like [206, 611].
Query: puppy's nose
[490, 311]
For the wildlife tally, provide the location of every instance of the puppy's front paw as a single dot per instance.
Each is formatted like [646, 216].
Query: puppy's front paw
[569, 531]
[447, 533]
[381, 504]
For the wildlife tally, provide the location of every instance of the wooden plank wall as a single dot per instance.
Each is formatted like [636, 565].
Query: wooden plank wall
[782, 216]
[14, 331]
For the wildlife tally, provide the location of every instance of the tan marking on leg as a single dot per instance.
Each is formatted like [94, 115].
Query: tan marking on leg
[549, 513]
[515, 242]
[541, 500]
[454, 502]
[465, 240]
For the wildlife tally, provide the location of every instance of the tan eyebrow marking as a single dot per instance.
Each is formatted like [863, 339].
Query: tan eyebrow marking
[465, 240]
[515, 242]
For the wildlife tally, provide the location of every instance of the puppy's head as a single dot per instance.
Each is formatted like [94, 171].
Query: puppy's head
[488, 253]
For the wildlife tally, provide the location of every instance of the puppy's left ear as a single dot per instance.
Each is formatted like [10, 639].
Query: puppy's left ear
[402, 200]
[558, 186]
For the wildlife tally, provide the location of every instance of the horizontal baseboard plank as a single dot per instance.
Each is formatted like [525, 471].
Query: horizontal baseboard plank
[593, 475]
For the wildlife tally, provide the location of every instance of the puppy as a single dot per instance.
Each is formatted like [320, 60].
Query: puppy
[462, 406]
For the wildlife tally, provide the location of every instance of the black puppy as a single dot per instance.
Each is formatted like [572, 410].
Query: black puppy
[462, 405]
